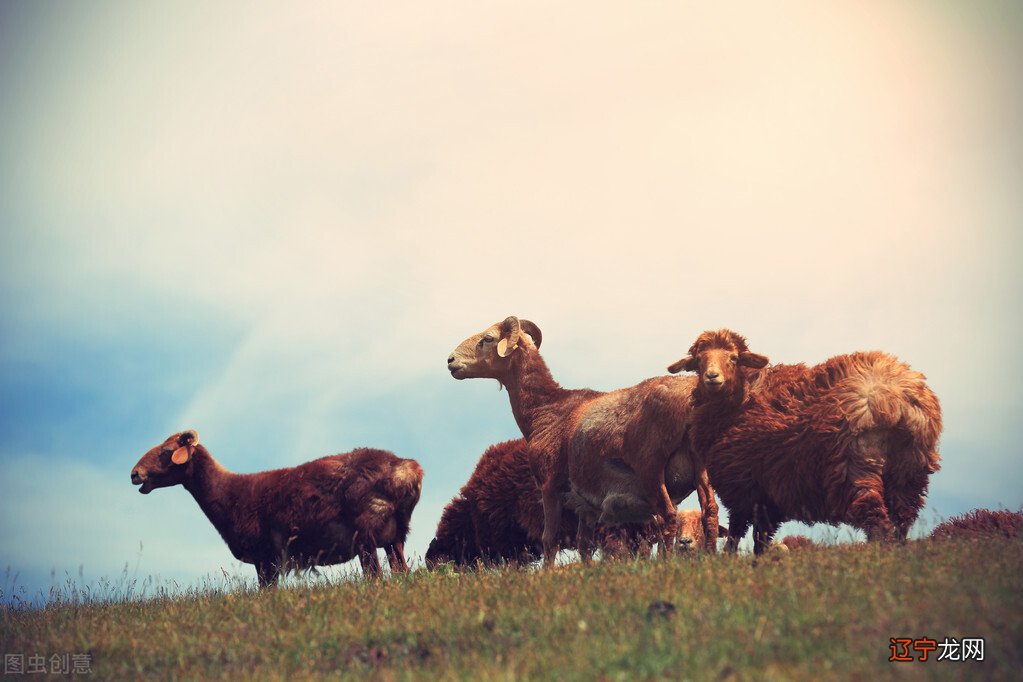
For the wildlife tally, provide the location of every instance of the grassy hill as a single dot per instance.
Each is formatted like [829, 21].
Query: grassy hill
[825, 613]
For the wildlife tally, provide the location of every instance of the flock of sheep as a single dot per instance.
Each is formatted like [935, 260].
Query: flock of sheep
[851, 440]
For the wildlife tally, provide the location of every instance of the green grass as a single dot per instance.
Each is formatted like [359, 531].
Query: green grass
[820, 614]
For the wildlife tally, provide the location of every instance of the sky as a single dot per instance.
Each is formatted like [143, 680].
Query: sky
[273, 224]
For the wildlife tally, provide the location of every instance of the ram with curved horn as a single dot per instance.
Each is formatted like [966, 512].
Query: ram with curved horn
[618, 457]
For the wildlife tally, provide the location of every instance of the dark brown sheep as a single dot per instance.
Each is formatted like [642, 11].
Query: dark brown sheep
[498, 515]
[622, 456]
[850, 440]
[981, 522]
[315, 514]
[498, 518]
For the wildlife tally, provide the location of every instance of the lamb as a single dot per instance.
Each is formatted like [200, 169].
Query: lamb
[850, 440]
[498, 517]
[794, 543]
[621, 456]
[315, 514]
[690, 529]
[791, 543]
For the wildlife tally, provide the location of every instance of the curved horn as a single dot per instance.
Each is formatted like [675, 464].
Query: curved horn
[533, 331]
[509, 343]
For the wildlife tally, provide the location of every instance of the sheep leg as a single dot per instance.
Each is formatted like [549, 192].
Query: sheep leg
[551, 497]
[867, 510]
[660, 501]
[766, 519]
[709, 509]
[267, 573]
[584, 539]
[637, 540]
[738, 524]
[477, 522]
[640, 544]
[904, 499]
[370, 562]
[611, 543]
[396, 557]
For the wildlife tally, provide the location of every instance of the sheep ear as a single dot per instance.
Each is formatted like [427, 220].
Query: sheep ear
[182, 455]
[753, 360]
[688, 363]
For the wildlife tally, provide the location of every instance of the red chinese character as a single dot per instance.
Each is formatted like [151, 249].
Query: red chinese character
[925, 645]
[896, 642]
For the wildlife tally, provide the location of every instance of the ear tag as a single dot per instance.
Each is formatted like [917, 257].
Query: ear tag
[502, 348]
[180, 455]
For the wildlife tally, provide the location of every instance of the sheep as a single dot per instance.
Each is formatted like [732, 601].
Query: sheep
[315, 514]
[796, 542]
[621, 456]
[980, 522]
[690, 529]
[498, 517]
[790, 543]
[851, 440]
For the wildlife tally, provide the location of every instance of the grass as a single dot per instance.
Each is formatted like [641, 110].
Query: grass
[818, 614]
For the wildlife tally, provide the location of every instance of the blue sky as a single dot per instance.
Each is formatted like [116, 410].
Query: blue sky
[272, 225]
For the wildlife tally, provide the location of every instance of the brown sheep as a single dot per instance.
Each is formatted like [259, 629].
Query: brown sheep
[315, 514]
[690, 531]
[797, 542]
[637, 540]
[622, 455]
[981, 522]
[498, 517]
[850, 440]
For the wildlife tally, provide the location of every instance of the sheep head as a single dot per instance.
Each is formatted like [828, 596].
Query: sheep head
[166, 464]
[690, 530]
[717, 358]
[490, 353]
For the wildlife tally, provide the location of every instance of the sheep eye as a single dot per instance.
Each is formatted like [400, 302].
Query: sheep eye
[734, 359]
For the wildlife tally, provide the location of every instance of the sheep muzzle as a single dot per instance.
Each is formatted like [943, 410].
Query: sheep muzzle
[713, 383]
[140, 480]
[456, 368]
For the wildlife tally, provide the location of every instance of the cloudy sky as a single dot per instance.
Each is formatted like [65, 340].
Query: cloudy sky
[272, 224]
